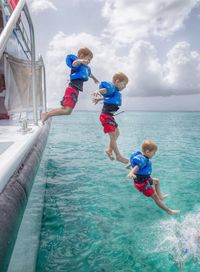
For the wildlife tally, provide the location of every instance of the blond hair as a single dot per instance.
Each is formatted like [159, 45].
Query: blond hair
[149, 145]
[85, 51]
[119, 76]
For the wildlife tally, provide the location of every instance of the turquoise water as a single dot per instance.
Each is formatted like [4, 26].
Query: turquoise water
[94, 219]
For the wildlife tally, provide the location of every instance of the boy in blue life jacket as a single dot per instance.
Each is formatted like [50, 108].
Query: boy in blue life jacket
[110, 93]
[80, 72]
[141, 171]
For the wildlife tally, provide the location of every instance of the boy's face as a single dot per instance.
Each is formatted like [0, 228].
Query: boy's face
[120, 84]
[149, 153]
[85, 57]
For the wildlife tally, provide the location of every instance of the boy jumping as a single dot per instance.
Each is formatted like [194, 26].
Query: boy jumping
[110, 93]
[141, 171]
[80, 72]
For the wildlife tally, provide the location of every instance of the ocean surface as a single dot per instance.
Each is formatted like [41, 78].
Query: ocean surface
[94, 220]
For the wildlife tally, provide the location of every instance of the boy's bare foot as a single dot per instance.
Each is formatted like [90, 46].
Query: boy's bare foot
[110, 155]
[44, 117]
[164, 196]
[173, 211]
[122, 159]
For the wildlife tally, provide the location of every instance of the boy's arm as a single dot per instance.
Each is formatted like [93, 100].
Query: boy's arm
[133, 171]
[94, 78]
[100, 92]
[80, 61]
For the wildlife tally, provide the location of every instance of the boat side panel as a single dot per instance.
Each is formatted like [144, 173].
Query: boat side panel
[14, 198]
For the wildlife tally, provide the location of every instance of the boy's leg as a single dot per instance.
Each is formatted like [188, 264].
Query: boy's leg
[113, 146]
[156, 182]
[68, 103]
[116, 133]
[56, 112]
[110, 127]
[109, 151]
[162, 205]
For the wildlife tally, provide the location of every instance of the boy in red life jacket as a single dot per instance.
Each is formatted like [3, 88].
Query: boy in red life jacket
[80, 72]
[141, 171]
[110, 93]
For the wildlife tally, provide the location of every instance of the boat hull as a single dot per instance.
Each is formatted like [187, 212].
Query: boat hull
[14, 197]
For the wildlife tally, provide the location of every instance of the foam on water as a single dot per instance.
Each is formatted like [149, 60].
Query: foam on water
[181, 239]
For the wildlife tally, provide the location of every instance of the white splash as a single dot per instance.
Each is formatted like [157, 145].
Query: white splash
[180, 239]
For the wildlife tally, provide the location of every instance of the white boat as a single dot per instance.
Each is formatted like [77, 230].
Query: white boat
[22, 139]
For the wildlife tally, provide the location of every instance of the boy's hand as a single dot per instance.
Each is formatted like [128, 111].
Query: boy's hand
[96, 100]
[96, 93]
[96, 81]
[85, 61]
[96, 97]
[80, 61]
[131, 175]
[94, 78]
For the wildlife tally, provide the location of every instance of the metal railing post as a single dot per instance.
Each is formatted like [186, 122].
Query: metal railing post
[7, 31]
[32, 37]
[44, 96]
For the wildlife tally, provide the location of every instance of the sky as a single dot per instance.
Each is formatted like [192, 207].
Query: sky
[154, 42]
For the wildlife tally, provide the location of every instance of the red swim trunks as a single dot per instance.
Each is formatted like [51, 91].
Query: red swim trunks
[108, 122]
[70, 98]
[145, 187]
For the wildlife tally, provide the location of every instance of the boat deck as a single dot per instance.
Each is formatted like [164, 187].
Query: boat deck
[14, 145]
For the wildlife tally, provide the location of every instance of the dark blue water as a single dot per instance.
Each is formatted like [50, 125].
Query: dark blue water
[94, 219]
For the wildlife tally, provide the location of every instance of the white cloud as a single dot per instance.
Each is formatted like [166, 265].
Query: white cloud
[182, 69]
[178, 76]
[145, 70]
[148, 77]
[41, 5]
[130, 20]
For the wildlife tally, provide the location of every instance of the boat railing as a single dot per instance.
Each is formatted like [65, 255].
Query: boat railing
[9, 28]
[44, 84]
[19, 29]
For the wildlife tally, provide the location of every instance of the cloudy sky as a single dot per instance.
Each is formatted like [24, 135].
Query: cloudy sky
[156, 43]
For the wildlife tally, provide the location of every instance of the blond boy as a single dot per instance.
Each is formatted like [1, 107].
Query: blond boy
[141, 171]
[80, 72]
[110, 93]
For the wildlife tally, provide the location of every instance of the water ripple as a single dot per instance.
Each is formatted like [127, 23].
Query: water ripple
[94, 220]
